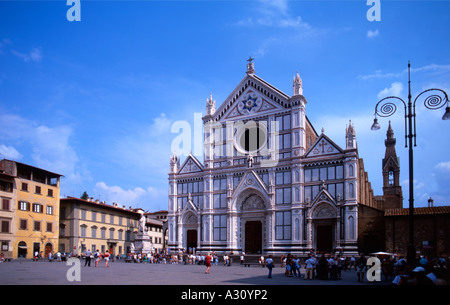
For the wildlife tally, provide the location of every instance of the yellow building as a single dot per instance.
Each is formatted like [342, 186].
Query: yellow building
[7, 210]
[92, 225]
[34, 204]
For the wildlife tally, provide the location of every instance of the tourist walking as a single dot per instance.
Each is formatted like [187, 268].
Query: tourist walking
[87, 255]
[310, 262]
[361, 265]
[352, 262]
[296, 266]
[208, 262]
[97, 257]
[106, 256]
[270, 265]
[288, 271]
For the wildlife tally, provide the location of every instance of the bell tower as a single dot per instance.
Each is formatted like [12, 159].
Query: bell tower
[392, 191]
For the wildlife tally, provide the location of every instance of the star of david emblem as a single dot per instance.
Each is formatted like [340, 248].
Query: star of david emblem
[247, 104]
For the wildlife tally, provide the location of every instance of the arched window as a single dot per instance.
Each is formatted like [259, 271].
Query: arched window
[351, 190]
[351, 227]
[351, 171]
[391, 178]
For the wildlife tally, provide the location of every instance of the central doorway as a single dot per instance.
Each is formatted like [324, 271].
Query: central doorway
[324, 240]
[253, 237]
[191, 241]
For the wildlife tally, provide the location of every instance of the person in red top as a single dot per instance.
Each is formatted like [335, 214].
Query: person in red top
[106, 256]
[207, 263]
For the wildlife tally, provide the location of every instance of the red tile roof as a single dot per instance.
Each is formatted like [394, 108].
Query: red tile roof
[418, 211]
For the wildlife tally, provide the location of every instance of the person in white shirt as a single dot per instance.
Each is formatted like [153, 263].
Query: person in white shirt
[310, 264]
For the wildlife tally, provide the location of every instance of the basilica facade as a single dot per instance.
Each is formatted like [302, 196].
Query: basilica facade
[268, 182]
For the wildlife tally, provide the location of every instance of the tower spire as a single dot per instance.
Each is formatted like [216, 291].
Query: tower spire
[392, 191]
[350, 136]
[297, 85]
[210, 105]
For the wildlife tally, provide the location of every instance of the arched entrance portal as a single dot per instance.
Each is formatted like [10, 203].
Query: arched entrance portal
[253, 216]
[253, 237]
[190, 230]
[191, 239]
[324, 238]
[324, 222]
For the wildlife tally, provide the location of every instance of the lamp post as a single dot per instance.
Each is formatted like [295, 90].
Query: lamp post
[433, 101]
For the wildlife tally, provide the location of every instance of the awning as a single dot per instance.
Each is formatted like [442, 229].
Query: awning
[382, 253]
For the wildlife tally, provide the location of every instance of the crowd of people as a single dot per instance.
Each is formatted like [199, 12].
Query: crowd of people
[392, 269]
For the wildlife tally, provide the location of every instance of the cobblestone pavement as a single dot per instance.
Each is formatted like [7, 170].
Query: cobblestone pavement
[121, 273]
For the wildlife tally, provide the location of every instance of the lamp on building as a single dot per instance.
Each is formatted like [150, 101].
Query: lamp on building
[434, 101]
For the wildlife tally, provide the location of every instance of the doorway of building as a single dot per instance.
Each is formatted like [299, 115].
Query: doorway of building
[22, 249]
[191, 241]
[324, 240]
[36, 249]
[112, 246]
[48, 249]
[253, 237]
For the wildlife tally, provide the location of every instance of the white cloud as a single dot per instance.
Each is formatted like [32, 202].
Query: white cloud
[372, 34]
[431, 67]
[274, 13]
[445, 166]
[3, 43]
[51, 149]
[439, 69]
[265, 46]
[395, 90]
[279, 5]
[9, 152]
[417, 184]
[161, 125]
[149, 198]
[34, 55]
[49, 146]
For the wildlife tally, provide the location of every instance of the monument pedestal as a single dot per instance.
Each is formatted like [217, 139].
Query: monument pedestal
[142, 244]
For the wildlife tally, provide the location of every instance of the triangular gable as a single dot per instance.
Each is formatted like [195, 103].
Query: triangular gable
[252, 95]
[387, 162]
[190, 206]
[323, 146]
[251, 179]
[322, 196]
[190, 165]
[250, 103]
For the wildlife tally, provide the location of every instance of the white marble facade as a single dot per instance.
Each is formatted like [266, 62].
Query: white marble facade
[268, 183]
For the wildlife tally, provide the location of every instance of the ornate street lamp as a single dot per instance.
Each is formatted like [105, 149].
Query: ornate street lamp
[435, 99]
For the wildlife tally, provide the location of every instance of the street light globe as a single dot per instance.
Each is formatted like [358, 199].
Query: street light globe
[375, 125]
[446, 115]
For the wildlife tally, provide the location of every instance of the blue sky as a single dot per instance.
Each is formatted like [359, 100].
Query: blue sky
[95, 100]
